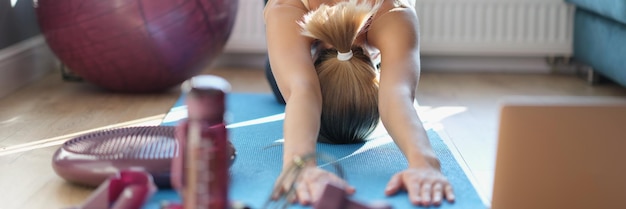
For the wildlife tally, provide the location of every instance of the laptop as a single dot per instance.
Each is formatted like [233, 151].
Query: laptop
[561, 152]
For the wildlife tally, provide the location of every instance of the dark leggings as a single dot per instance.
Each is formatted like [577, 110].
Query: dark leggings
[272, 81]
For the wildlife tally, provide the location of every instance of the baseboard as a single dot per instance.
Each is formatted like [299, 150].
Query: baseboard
[29, 60]
[241, 60]
[23, 63]
[464, 64]
[485, 64]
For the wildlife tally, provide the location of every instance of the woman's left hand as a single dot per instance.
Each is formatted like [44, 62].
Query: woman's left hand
[310, 185]
[425, 186]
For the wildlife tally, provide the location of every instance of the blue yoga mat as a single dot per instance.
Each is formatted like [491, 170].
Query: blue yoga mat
[255, 124]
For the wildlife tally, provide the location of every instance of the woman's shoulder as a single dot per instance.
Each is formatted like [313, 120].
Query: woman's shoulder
[294, 3]
[386, 4]
[277, 7]
[309, 5]
[394, 26]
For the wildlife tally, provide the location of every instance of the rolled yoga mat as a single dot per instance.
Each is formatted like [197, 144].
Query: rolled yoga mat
[255, 124]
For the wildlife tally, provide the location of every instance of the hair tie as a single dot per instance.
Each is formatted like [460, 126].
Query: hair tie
[344, 56]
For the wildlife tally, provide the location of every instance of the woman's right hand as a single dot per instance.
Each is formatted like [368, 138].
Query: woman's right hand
[309, 185]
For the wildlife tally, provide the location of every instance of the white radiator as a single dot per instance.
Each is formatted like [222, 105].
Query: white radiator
[456, 27]
[248, 35]
[495, 27]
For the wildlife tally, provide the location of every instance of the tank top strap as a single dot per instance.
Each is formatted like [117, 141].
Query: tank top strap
[405, 3]
[306, 4]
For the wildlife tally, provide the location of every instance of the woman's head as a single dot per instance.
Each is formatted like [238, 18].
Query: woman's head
[346, 73]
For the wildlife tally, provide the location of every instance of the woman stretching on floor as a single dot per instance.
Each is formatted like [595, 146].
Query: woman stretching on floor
[335, 96]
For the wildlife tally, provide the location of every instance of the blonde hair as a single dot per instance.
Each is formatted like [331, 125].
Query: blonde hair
[349, 83]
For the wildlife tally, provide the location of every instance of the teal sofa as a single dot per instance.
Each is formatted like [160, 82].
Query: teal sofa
[600, 37]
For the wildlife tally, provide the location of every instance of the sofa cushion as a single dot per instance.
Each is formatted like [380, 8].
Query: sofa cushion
[598, 42]
[613, 9]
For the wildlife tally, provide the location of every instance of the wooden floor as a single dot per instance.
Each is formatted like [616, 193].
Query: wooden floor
[39, 117]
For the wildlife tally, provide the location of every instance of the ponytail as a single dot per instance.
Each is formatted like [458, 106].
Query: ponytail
[347, 76]
[340, 24]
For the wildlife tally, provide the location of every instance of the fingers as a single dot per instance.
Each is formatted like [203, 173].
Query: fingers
[437, 193]
[433, 193]
[414, 193]
[275, 194]
[303, 194]
[278, 190]
[350, 189]
[449, 193]
[312, 183]
[317, 188]
[318, 184]
[423, 188]
[425, 191]
[394, 185]
[342, 183]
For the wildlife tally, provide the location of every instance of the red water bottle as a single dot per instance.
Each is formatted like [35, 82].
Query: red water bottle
[200, 172]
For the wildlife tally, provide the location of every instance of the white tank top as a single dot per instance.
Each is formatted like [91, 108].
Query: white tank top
[405, 3]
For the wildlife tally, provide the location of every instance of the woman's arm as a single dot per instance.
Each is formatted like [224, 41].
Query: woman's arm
[292, 65]
[396, 35]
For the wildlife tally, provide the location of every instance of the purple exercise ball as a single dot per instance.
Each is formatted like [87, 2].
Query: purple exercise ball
[136, 45]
